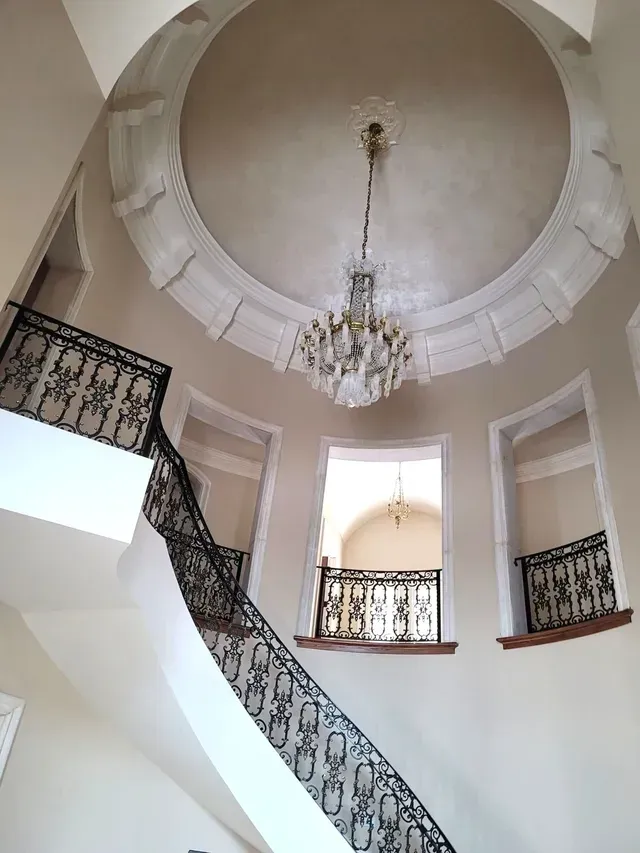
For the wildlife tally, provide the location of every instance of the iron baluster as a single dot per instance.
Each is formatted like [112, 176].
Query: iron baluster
[383, 606]
[568, 585]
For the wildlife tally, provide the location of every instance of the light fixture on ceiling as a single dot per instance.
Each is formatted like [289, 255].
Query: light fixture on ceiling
[359, 357]
[398, 509]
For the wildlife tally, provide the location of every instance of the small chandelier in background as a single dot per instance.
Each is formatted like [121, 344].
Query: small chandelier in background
[398, 509]
[360, 356]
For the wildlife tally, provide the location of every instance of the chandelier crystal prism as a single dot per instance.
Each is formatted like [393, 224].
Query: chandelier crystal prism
[359, 357]
[398, 509]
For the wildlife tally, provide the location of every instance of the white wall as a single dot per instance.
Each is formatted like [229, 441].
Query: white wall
[416, 544]
[72, 784]
[332, 544]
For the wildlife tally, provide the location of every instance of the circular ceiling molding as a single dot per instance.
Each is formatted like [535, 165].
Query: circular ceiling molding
[469, 189]
[584, 232]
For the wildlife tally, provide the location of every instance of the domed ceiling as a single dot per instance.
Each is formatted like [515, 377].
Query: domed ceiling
[278, 181]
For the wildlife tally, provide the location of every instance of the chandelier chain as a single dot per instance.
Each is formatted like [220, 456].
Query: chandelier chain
[367, 210]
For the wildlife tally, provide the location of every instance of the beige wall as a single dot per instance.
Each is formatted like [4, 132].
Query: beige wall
[490, 740]
[416, 544]
[202, 433]
[565, 435]
[616, 34]
[230, 508]
[557, 510]
[49, 100]
[72, 784]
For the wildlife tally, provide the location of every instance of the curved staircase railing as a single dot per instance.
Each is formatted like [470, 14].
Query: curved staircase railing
[342, 770]
[52, 372]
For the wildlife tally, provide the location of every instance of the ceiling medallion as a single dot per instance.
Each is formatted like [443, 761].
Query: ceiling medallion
[398, 509]
[361, 356]
[376, 110]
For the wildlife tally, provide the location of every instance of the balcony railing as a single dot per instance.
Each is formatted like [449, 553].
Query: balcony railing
[353, 783]
[380, 606]
[62, 376]
[568, 585]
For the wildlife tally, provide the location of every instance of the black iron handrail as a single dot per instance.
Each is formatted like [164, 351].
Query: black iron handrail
[60, 375]
[379, 605]
[357, 788]
[349, 778]
[568, 585]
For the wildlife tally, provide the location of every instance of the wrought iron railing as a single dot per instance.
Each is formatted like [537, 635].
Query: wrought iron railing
[236, 558]
[341, 769]
[380, 606]
[568, 585]
[62, 376]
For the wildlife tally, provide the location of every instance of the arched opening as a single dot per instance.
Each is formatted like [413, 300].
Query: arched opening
[378, 555]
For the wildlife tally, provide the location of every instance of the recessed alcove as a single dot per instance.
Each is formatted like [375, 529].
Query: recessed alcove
[232, 462]
[375, 582]
[58, 274]
[557, 554]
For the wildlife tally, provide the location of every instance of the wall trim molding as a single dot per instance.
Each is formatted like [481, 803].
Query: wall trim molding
[200, 405]
[74, 189]
[218, 459]
[584, 233]
[311, 578]
[203, 481]
[11, 709]
[557, 463]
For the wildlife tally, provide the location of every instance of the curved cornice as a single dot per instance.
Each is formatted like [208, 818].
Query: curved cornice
[585, 231]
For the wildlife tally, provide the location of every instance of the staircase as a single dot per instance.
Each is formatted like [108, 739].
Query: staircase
[64, 377]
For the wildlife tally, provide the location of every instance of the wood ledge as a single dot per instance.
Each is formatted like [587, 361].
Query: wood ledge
[569, 632]
[371, 647]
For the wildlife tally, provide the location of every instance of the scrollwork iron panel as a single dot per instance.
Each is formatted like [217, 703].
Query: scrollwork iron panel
[380, 606]
[568, 585]
[340, 768]
[62, 376]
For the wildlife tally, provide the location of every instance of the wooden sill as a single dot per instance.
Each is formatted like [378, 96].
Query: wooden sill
[371, 647]
[558, 635]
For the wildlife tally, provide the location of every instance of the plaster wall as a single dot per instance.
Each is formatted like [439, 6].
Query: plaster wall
[111, 33]
[565, 435]
[49, 99]
[616, 33]
[332, 544]
[558, 721]
[73, 784]
[231, 507]
[209, 436]
[557, 510]
[416, 544]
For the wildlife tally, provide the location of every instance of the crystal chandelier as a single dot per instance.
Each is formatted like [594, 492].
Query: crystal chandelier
[359, 357]
[397, 508]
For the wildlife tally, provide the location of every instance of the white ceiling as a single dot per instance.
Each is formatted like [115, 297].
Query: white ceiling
[357, 491]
